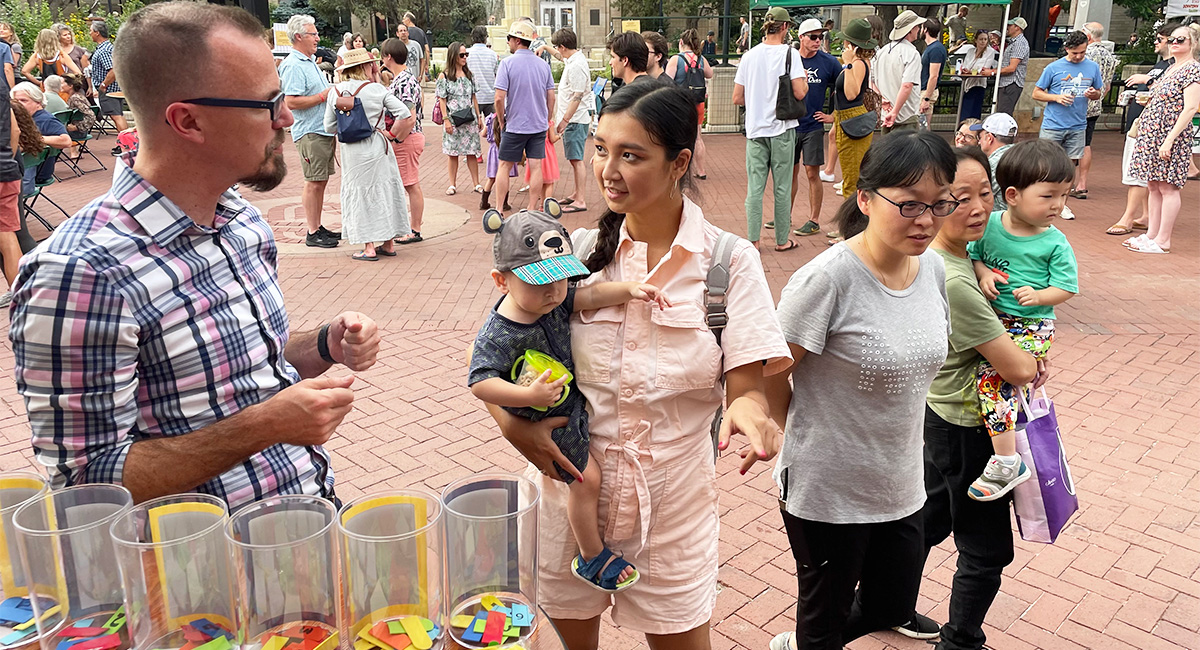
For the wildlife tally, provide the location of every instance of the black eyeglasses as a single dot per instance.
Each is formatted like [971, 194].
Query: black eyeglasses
[1177, 40]
[914, 209]
[813, 37]
[275, 104]
[462, 55]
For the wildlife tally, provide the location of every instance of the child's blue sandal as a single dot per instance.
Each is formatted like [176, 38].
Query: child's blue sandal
[602, 577]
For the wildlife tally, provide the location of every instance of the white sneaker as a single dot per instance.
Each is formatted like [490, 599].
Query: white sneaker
[1067, 214]
[826, 178]
[837, 188]
[5, 299]
[783, 641]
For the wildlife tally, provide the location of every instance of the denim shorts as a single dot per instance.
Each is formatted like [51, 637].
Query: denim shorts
[1072, 141]
[575, 140]
[513, 145]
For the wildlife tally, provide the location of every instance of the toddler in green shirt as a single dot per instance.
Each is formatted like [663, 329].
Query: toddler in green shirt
[1032, 259]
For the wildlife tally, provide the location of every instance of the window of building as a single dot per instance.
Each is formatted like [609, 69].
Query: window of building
[594, 17]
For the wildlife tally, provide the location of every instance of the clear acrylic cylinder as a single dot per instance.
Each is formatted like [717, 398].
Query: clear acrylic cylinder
[174, 564]
[284, 565]
[391, 546]
[16, 609]
[71, 566]
[491, 558]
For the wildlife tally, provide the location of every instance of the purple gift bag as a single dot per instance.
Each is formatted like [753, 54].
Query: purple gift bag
[1046, 501]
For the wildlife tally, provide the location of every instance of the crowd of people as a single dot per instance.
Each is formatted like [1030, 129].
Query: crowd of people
[935, 301]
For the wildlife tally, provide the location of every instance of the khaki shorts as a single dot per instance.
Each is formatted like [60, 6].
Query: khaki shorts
[316, 156]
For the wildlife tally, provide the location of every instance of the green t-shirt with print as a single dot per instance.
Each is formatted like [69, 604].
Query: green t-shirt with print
[1042, 260]
[953, 395]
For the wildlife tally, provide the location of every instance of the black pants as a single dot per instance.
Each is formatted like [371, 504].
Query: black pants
[487, 109]
[882, 560]
[954, 457]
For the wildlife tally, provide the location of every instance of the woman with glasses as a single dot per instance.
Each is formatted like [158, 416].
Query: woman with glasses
[867, 323]
[456, 93]
[1164, 144]
[374, 205]
[964, 136]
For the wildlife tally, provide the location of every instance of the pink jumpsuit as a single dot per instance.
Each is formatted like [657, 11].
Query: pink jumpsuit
[651, 379]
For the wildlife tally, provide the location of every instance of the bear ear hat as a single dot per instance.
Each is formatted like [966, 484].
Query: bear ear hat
[552, 208]
[493, 221]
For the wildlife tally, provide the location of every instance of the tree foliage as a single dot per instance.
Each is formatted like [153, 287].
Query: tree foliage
[1142, 10]
[331, 17]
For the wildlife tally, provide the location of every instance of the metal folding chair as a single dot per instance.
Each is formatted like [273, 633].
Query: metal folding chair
[29, 199]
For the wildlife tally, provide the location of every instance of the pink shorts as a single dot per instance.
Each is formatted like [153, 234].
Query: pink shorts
[677, 589]
[408, 157]
[10, 212]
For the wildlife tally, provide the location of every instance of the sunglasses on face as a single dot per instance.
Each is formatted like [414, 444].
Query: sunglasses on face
[275, 104]
[1177, 40]
[914, 209]
[813, 37]
[462, 55]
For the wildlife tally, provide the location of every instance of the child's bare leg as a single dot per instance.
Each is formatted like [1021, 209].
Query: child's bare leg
[583, 504]
[1005, 444]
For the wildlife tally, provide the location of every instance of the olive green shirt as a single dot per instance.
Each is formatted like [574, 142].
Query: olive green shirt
[953, 395]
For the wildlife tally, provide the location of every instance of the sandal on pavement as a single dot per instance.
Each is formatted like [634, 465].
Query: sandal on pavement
[1118, 229]
[782, 641]
[786, 247]
[702, 177]
[385, 253]
[1148, 246]
[835, 241]
[833, 234]
[1140, 226]
[602, 571]
[1136, 239]
[411, 238]
[363, 257]
[565, 201]
[478, 189]
[1078, 194]
[451, 191]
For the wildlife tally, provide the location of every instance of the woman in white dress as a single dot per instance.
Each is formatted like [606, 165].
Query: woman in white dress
[374, 205]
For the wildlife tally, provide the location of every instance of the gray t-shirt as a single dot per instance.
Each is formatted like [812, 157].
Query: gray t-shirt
[852, 447]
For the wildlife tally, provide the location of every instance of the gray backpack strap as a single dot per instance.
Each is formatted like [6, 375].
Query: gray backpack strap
[716, 285]
[586, 244]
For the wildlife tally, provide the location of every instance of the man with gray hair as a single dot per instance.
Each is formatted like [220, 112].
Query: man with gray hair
[1103, 57]
[417, 34]
[104, 78]
[306, 90]
[150, 338]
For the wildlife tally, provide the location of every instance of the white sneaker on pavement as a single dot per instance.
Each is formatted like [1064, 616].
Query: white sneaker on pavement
[1067, 214]
[826, 178]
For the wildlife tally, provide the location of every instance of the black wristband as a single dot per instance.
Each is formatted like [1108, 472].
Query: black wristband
[323, 344]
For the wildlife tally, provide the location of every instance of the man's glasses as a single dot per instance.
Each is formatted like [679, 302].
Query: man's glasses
[312, 34]
[1177, 40]
[914, 209]
[275, 104]
[813, 37]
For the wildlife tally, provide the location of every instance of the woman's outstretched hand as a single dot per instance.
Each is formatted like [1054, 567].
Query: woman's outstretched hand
[749, 417]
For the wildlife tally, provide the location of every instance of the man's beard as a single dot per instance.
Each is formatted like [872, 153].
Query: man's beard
[271, 173]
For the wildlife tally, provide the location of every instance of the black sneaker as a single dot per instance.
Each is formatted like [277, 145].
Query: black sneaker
[320, 240]
[116, 151]
[920, 627]
[335, 236]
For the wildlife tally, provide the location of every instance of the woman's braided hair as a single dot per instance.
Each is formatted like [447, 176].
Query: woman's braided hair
[668, 115]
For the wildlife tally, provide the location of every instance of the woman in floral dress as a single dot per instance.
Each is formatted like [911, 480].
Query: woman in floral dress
[456, 92]
[1164, 142]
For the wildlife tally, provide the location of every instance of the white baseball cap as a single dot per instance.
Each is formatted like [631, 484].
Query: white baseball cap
[1001, 124]
[810, 25]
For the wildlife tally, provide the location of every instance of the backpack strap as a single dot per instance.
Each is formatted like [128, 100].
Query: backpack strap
[716, 284]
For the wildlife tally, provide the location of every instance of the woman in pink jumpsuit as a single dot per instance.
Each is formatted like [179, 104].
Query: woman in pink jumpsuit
[652, 380]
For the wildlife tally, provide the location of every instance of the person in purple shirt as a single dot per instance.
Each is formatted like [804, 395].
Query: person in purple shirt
[524, 104]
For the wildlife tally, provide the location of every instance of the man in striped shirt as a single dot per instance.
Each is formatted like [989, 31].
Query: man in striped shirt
[150, 339]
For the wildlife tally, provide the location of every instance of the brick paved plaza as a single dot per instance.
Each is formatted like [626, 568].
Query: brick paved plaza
[1124, 575]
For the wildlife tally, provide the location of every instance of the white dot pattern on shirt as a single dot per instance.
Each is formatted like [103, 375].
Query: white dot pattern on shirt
[898, 371]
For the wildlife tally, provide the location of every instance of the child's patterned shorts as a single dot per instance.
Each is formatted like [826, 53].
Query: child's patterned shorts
[998, 400]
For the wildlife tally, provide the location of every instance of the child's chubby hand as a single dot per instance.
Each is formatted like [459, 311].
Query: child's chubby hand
[649, 293]
[987, 284]
[545, 393]
[1027, 296]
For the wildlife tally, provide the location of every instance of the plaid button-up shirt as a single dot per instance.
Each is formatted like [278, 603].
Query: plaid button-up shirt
[133, 322]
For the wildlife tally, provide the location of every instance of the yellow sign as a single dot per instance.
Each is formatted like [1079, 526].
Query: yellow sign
[282, 43]
[631, 26]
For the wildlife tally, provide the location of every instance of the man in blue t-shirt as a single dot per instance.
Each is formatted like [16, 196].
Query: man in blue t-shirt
[822, 70]
[1065, 86]
[933, 63]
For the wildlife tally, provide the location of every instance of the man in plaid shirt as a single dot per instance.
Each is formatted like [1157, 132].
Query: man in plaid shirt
[151, 342]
